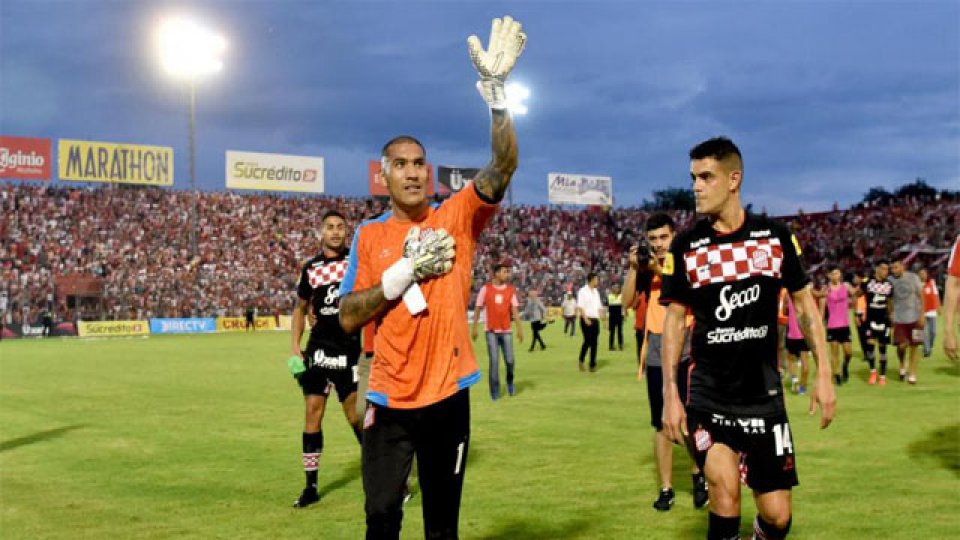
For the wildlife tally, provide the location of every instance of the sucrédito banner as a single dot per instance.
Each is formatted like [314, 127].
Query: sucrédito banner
[274, 172]
[566, 188]
[25, 158]
[239, 324]
[113, 328]
[115, 163]
[204, 325]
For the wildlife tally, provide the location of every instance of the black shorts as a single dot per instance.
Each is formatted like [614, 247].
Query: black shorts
[765, 445]
[655, 390]
[839, 335]
[878, 331]
[797, 346]
[327, 371]
[439, 435]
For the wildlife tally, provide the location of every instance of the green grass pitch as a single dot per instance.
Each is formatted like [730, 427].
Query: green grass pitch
[199, 437]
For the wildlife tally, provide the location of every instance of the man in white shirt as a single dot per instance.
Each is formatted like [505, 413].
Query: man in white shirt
[588, 311]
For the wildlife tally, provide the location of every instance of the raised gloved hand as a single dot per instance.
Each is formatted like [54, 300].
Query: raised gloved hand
[423, 257]
[494, 64]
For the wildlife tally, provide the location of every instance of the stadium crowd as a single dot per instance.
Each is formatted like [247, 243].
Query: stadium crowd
[250, 246]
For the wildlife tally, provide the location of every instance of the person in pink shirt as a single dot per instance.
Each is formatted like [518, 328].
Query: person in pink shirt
[798, 352]
[836, 297]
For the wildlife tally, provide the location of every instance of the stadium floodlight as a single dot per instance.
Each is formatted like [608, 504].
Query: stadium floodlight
[516, 95]
[189, 51]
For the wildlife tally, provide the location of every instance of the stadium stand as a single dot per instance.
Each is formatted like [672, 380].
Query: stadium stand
[137, 242]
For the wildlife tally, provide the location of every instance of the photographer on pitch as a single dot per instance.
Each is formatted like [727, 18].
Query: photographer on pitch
[643, 276]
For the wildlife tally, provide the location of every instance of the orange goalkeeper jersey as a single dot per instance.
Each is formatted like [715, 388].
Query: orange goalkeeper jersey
[421, 359]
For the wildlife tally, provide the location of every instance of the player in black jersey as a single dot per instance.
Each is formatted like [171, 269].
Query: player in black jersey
[878, 291]
[728, 270]
[330, 359]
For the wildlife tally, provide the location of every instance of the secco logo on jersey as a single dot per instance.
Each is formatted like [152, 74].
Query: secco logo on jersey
[735, 300]
[732, 335]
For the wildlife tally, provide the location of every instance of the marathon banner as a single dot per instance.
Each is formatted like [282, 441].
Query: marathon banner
[115, 163]
[565, 188]
[452, 179]
[379, 189]
[206, 325]
[239, 324]
[25, 158]
[274, 172]
[113, 328]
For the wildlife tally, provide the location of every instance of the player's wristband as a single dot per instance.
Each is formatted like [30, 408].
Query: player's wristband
[295, 364]
[396, 279]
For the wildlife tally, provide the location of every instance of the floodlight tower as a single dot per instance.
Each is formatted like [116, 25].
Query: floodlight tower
[189, 52]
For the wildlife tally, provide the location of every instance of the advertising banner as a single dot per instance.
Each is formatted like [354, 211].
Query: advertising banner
[274, 172]
[115, 163]
[205, 325]
[25, 158]
[286, 322]
[379, 189]
[565, 188]
[113, 328]
[452, 179]
[239, 324]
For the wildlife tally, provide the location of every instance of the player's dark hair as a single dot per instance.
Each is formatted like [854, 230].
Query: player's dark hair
[881, 261]
[833, 267]
[590, 276]
[332, 213]
[498, 266]
[719, 148]
[402, 139]
[660, 219]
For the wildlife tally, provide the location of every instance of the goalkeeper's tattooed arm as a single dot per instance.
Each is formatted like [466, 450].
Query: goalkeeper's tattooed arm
[358, 308]
[492, 180]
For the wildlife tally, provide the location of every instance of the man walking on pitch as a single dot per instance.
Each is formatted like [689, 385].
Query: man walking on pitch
[728, 270]
[410, 271]
[642, 277]
[878, 291]
[330, 359]
[588, 311]
[499, 301]
[535, 312]
[615, 316]
[908, 319]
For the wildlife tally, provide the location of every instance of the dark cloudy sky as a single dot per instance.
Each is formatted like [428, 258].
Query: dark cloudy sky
[825, 98]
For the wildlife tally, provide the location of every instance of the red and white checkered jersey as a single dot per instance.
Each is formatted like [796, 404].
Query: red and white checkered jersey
[319, 284]
[731, 283]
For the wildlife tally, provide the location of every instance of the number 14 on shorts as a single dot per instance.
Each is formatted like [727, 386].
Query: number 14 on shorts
[781, 437]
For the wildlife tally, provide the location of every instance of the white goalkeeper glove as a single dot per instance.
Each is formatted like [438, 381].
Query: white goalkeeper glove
[426, 257]
[494, 64]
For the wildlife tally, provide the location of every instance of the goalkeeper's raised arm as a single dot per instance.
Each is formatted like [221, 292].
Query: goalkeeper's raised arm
[494, 65]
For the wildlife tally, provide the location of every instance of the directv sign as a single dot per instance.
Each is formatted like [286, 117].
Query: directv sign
[183, 326]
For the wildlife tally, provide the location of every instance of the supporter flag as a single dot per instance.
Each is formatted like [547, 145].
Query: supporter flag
[452, 179]
[379, 189]
[582, 189]
[25, 158]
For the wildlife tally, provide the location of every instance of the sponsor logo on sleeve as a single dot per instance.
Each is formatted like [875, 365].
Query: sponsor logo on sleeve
[668, 264]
